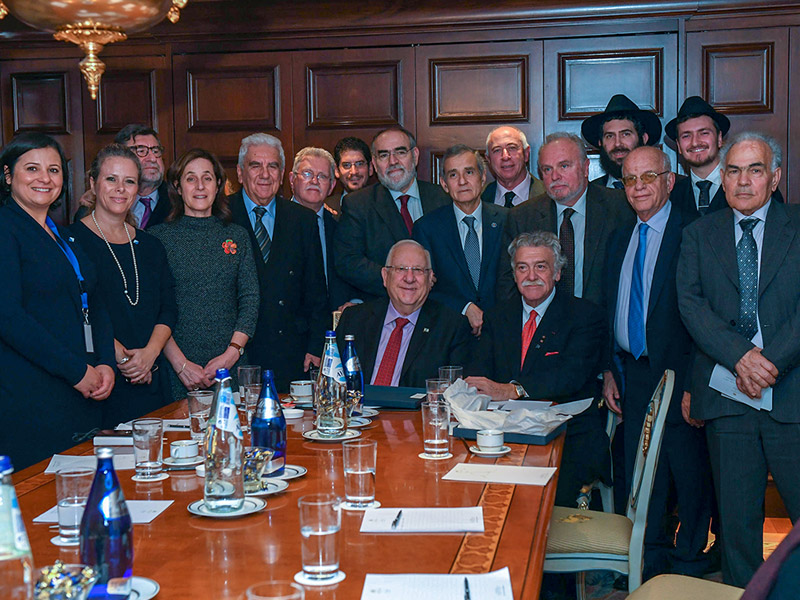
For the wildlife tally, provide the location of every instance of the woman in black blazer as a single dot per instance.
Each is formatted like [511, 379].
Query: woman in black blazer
[56, 344]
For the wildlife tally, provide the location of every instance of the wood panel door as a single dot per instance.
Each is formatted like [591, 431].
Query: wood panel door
[581, 76]
[464, 91]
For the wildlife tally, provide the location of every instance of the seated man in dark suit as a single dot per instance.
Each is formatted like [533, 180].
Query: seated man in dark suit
[547, 345]
[402, 340]
[464, 238]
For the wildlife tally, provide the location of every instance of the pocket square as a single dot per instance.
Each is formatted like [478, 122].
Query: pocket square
[550, 353]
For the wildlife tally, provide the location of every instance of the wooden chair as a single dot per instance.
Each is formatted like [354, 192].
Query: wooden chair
[673, 587]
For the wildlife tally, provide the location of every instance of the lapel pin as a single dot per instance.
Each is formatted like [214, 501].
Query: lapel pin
[494, 224]
[425, 330]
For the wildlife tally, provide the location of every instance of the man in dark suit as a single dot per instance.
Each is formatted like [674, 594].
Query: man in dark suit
[739, 293]
[545, 344]
[376, 217]
[465, 238]
[353, 162]
[402, 340]
[292, 315]
[583, 215]
[616, 131]
[312, 180]
[508, 153]
[647, 338]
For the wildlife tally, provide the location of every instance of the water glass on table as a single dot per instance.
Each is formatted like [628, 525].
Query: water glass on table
[320, 522]
[360, 460]
[148, 447]
[435, 389]
[435, 429]
[247, 375]
[199, 410]
[451, 373]
[72, 490]
[275, 590]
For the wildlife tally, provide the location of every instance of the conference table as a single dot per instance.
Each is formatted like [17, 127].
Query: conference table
[194, 557]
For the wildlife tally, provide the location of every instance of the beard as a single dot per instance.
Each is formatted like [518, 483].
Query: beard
[400, 184]
[609, 164]
[712, 156]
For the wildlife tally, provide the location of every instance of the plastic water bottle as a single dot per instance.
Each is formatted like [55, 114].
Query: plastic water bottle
[106, 541]
[224, 488]
[16, 564]
[353, 375]
[331, 391]
[269, 426]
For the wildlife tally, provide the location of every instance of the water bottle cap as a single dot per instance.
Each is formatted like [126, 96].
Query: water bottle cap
[222, 374]
[104, 452]
[5, 465]
[330, 333]
[349, 338]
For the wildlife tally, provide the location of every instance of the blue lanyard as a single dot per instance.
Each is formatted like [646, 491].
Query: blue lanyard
[73, 260]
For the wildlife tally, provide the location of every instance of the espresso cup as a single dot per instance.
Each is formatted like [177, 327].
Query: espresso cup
[184, 449]
[489, 440]
[302, 390]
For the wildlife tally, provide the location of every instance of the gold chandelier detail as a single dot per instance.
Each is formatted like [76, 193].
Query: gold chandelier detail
[91, 24]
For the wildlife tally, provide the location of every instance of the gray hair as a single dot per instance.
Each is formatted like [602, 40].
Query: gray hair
[754, 136]
[458, 150]
[312, 152]
[408, 242]
[563, 135]
[261, 139]
[520, 133]
[538, 239]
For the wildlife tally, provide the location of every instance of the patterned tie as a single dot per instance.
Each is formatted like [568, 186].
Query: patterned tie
[509, 196]
[618, 185]
[566, 236]
[148, 211]
[636, 328]
[472, 250]
[262, 237]
[527, 335]
[404, 212]
[705, 196]
[747, 257]
[389, 359]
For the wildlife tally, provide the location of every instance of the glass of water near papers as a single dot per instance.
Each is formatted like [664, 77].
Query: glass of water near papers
[451, 373]
[148, 448]
[275, 590]
[72, 490]
[435, 430]
[320, 522]
[359, 458]
[199, 411]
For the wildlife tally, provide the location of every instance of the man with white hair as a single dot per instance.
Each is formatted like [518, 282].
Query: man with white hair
[285, 239]
[508, 153]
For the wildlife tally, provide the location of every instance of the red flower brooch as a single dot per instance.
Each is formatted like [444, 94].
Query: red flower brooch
[229, 246]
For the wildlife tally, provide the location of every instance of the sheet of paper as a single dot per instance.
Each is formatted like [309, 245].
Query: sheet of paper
[169, 425]
[724, 382]
[500, 474]
[142, 511]
[526, 404]
[423, 586]
[122, 462]
[573, 408]
[422, 520]
[418, 396]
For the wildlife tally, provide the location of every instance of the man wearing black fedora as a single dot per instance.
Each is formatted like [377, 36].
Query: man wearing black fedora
[620, 128]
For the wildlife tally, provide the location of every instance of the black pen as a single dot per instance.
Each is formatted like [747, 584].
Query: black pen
[396, 521]
[466, 589]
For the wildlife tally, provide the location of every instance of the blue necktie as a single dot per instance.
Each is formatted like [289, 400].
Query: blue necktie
[618, 185]
[747, 257]
[262, 236]
[636, 331]
[472, 250]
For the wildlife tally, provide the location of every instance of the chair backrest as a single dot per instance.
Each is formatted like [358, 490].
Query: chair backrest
[644, 471]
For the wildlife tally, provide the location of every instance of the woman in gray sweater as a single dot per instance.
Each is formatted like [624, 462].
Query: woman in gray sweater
[215, 274]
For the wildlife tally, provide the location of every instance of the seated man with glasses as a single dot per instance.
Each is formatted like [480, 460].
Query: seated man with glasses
[402, 340]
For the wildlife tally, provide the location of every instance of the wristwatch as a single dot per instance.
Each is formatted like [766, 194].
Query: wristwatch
[238, 347]
[521, 393]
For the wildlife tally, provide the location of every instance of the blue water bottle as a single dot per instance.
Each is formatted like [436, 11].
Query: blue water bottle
[269, 426]
[106, 541]
[353, 375]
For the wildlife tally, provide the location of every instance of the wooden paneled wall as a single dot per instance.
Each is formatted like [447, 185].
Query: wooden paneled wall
[446, 85]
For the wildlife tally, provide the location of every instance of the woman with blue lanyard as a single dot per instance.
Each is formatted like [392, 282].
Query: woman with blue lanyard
[56, 342]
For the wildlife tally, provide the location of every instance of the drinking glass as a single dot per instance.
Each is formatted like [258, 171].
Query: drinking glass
[199, 410]
[435, 429]
[72, 490]
[148, 447]
[275, 590]
[248, 375]
[436, 388]
[451, 373]
[359, 459]
[247, 407]
[320, 522]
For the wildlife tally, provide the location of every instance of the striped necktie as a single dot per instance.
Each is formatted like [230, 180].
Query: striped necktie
[262, 237]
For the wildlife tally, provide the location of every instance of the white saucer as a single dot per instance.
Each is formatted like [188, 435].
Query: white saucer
[160, 477]
[314, 436]
[426, 456]
[269, 487]
[250, 506]
[303, 580]
[503, 450]
[292, 472]
[358, 422]
[143, 588]
[293, 413]
[183, 462]
[369, 412]
[56, 541]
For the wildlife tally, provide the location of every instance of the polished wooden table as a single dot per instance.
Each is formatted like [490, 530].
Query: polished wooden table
[200, 558]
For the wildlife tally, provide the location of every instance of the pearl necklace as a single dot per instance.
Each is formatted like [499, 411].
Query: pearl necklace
[119, 266]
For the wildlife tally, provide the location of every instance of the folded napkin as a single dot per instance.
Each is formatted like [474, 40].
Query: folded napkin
[465, 396]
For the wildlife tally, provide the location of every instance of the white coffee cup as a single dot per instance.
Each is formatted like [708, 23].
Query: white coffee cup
[302, 390]
[489, 440]
[184, 449]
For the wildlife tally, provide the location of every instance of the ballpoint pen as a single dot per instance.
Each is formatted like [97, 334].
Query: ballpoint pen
[466, 589]
[396, 521]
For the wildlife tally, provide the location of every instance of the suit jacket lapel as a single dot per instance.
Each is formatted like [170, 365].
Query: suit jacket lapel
[453, 243]
[492, 231]
[778, 235]
[670, 245]
[718, 202]
[616, 260]
[387, 210]
[513, 335]
[372, 329]
[721, 241]
[422, 332]
[596, 217]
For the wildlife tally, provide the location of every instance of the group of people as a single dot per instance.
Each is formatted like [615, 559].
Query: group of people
[551, 287]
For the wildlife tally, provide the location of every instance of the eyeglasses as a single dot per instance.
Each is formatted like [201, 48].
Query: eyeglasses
[415, 271]
[646, 177]
[142, 151]
[311, 176]
[397, 153]
[359, 164]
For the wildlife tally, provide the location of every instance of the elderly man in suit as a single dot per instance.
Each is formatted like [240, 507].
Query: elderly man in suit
[582, 214]
[465, 238]
[508, 152]
[647, 338]
[402, 340]
[739, 296]
[292, 316]
[546, 344]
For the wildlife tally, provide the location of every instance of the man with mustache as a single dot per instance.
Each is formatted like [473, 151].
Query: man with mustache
[620, 128]
[376, 217]
[353, 162]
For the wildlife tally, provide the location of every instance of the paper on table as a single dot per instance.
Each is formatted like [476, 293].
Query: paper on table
[142, 511]
[122, 462]
[500, 474]
[422, 520]
[724, 382]
[169, 425]
[529, 404]
[424, 586]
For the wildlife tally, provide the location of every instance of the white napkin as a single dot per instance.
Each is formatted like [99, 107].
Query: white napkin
[465, 396]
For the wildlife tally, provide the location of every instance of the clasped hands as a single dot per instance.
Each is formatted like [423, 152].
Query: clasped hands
[755, 372]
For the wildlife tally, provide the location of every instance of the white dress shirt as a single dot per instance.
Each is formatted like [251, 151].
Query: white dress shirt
[520, 192]
[715, 177]
[414, 201]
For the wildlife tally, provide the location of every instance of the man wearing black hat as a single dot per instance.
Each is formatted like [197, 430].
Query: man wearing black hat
[620, 128]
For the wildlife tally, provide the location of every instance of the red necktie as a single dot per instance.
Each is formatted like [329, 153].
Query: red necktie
[389, 359]
[405, 214]
[527, 335]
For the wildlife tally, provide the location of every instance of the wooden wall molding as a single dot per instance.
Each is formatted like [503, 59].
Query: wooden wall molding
[739, 78]
[114, 106]
[40, 102]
